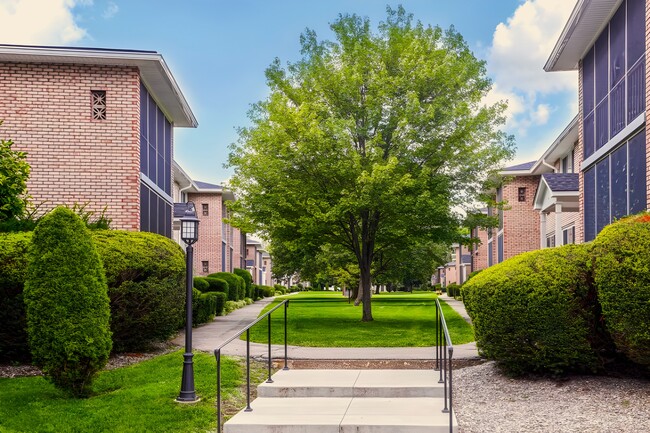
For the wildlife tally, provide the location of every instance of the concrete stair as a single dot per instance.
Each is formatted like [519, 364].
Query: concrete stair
[346, 401]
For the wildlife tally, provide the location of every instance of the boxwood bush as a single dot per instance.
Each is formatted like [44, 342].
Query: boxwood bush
[67, 304]
[201, 284]
[538, 312]
[236, 284]
[205, 306]
[248, 280]
[621, 265]
[453, 290]
[146, 284]
[13, 270]
[217, 285]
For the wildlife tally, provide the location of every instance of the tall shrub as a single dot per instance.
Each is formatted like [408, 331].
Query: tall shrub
[538, 312]
[621, 266]
[236, 284]
[67, 303]
[248, 280]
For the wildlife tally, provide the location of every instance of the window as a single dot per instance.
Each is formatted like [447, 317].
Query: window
[98, 98]
[569, 235]
[155, 212]
[566, 164]
[489, 253]
[206, 266]
[521, 194]
[613, 77]
[155, 142]
[615, 186]
[500, 248]
[550, 241]
[205, 209]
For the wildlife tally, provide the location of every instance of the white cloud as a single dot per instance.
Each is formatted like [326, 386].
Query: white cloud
[520, 48]
[111, 10]
[38, 22]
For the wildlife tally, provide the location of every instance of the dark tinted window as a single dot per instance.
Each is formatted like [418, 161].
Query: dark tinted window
[588, 82]
[619, 182]
[602, 194]
[590, 204]
[602, 62]
[635, 30]
[617, 45]
[637, 164]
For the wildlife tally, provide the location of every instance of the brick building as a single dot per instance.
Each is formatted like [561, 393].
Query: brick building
[98, 127]
[254, 260]
[606, 41]
[219, 248]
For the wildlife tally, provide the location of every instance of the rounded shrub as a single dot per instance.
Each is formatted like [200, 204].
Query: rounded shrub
[217, 285]
[13, 271]
[453, 290]
[206, 306]
[201, 284]
[621, 266]
[537, 312]
[67, 304]
[248, 280]
[146, 285]
[236, 284]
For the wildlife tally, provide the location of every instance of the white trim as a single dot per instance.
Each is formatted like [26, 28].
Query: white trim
[619, 138]
[155, 188]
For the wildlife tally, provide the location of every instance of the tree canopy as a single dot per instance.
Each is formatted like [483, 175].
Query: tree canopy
[368, 143]
[14, 172]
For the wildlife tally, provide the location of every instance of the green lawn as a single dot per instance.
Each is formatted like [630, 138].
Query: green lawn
[325, 319]
[137, 398]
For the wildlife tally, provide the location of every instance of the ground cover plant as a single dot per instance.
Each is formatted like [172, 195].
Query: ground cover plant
[136, 398]
[326, 319]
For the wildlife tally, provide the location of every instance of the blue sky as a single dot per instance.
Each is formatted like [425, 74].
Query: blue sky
[218, 50]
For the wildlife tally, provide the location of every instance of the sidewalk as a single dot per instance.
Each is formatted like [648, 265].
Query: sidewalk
[209, 336]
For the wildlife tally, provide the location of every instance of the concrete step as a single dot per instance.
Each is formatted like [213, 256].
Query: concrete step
[353, 383]
[342, 415]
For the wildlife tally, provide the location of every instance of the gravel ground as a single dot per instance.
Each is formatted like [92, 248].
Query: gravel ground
[486, 401]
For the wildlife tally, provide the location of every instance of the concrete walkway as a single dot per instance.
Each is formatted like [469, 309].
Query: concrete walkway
[211, 335]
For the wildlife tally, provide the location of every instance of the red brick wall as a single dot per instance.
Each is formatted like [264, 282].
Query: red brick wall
[480, 254]
[647, 100]
[237, 255]
[46, 109]
[520, 221]
[208, 247]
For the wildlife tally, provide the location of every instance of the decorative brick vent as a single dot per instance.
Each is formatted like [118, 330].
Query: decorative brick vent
[99, 104]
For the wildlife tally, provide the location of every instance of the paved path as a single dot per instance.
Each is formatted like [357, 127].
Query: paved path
[209, 336]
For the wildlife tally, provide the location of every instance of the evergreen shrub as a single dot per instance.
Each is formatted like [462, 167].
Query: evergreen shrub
[248, 280]
[538, 313]
[201, 284]
[621, 266]
[217, 285]
[236, 284]
[67, 304]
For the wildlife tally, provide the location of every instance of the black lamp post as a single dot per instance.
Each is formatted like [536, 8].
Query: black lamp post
[189, 235]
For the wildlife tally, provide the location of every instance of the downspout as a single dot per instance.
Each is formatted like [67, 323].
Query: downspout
[548, 165]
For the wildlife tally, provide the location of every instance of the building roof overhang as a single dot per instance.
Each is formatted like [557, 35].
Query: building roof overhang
[588, 19]
[549, 194]
[560, 147]
[154, 72]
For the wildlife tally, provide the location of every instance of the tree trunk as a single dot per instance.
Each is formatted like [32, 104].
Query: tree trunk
[365, 292]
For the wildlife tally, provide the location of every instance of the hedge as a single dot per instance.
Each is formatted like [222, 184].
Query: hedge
[217, 285]
[538, 312]
[621, 266]
[206, 306]
[67, 303]
[248, 280]
[146, 285]
[236, 284]
[201, 284]
[453, 290]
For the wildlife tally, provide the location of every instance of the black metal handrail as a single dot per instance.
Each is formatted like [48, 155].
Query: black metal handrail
[217, 354]
[443, 362]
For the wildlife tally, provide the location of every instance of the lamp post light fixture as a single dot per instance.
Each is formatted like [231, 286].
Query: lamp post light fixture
[189, 235]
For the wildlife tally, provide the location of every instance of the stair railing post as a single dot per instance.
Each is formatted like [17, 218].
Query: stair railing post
[437, 337]
[248, 371]
[269, 380]
[451, 404]
[444, 367]
[286, 365]
[217, 354]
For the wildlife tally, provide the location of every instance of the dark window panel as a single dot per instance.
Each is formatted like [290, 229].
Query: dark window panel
[160, 179]
[500, 248]
[617, 45]
[168, 220]
[490, 257]
[637, 167]
[602, 66]
[636, 91]
[161, 216]
[151, 174]
[602, 194]
[588, 83]
[144, 98]
[223, 257]
[144, 208]
[160, 128]
[151, 131]
[589, 136]
[619, 182]
[590, 204]
[168, 178]
[602, 124]
[144, 161]
[635, 30]
[168, 140]
[617, 109]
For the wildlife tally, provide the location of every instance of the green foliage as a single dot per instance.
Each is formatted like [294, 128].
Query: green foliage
[472, 275]
[621, 266]
[146, 285]
[348, 149]
[248, 280]
[201, 284]
[233, 305]
[14, 172]
[267, 291]
[67, 303]
[13, 271]
[205, 306]
[217, 285]
[236, 285]
[538, 312]
[453, 290]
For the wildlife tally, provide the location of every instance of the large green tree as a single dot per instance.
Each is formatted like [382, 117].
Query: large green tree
[368, 142]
